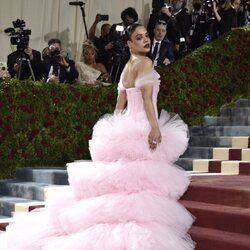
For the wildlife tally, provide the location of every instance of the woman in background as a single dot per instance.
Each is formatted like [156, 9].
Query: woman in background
[226, 15]
[89, 71]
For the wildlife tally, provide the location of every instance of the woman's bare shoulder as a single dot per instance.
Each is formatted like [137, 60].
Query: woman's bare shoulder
[142, 64]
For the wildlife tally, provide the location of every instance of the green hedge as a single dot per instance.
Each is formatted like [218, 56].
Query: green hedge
[203, 81]
[49, 124]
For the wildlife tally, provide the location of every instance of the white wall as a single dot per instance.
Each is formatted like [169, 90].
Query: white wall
[56, 18]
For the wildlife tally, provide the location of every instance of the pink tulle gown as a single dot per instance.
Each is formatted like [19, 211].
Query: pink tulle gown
[126, 199]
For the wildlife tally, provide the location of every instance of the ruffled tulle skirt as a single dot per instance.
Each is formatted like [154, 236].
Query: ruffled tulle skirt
[125, 137]
[118, 205]
[126, 199]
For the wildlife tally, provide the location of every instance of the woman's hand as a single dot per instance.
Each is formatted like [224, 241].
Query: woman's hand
[154, 138]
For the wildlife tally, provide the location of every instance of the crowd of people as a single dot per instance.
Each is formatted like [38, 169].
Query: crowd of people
[173, 29]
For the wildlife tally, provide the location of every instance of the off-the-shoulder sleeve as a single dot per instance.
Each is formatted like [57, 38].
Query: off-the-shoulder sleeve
[150, 77]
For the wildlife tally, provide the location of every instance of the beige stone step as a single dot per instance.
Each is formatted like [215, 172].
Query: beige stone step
[240, 142]
[202, 165]
[28, 206]
[246, 154]
[231, 167]
[234, 154]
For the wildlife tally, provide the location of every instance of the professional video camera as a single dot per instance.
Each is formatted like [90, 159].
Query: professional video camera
[117, 39]
[18, 35]
[120, 52]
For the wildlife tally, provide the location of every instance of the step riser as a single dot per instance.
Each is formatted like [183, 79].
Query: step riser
[58, 176]
[6, 209]
[242, 103]
[242, 111]
[221, 131]
[214, 244]
[217, 166]
[235, 112]
[198, 152]
[230, 222]
[218, 196]
[31, 193]
[185, 164]
[204, 141]
[227, 121]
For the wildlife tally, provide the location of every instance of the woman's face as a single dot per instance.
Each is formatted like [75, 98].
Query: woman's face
[140, 42]
[89, 56]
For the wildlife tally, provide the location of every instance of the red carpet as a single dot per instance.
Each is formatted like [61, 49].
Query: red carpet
[221, 205]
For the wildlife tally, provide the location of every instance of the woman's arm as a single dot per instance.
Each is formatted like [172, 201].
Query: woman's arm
[154, 137]
[121, 102]
[105, 77]
[218, 17]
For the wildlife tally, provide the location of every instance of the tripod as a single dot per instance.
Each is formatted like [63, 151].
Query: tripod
[118, 62]
[116, 68]
[21, 61]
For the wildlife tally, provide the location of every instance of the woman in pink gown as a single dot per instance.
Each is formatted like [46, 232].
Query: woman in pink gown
[127, 198]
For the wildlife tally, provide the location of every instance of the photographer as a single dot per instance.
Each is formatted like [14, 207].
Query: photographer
[24, 72]
[226, 15]
[57, 67]
[197, 32]
[102, 43]
[25, 62]
[120, 52]
[128, 16]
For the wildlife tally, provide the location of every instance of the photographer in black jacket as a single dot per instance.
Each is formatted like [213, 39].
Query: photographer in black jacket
[57, 67]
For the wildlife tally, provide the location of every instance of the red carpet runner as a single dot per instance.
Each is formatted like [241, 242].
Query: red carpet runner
[221, 205]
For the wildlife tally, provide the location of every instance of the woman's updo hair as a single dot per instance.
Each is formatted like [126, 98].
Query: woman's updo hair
[130, 30]
[88, 45]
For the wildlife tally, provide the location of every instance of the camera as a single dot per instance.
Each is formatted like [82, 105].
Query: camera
[169, 7]
[54, 52]
[18, 35]
[208, 4]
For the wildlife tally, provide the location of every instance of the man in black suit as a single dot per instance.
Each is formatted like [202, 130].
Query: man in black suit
[56, 66]
[24, 63]
[161, 48]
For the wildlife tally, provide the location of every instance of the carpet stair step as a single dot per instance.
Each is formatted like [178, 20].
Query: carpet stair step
[239, 120]
[210, 141]
[235, 111]
[49, 175]
[242, 103]
[220, 131]
[220, 217]
[212, 239]
[198, 152]
[228, 190]
[237, 154]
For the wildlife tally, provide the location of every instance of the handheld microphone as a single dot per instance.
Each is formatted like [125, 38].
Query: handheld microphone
[76, 3]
